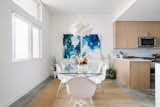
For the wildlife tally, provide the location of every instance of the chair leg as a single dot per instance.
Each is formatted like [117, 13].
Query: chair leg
[70, 100]
[100, 87]
[59, 88]
[73, 102]
[91, 101]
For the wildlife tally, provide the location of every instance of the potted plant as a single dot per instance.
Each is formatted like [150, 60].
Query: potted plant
[110, 73]
[52, 68]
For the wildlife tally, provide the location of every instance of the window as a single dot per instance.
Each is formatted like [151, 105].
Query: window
[36, 42]
[26, 39]
[30, 6]
[21, 38]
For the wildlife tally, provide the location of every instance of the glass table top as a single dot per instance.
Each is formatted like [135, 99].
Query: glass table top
[87, 69]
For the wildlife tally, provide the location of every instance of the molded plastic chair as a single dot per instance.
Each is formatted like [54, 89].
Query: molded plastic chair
[63, 78]
[81, 89]
[100, 78]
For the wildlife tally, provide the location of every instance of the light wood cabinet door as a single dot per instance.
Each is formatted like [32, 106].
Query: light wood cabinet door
[126, 35]
[140, 74]
[122, 68]
[120, 36]
[133, 74]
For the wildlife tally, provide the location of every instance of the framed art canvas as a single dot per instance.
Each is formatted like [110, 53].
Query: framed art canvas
[90, 44]
[71, 45]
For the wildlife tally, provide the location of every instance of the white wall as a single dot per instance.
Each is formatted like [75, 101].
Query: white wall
[16, 79]
[157, 86]
[62, 23]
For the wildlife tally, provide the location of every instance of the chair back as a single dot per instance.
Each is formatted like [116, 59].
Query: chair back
[58, 68]
[81, 87]
[64, 63]
[100, 66]
[104, 68]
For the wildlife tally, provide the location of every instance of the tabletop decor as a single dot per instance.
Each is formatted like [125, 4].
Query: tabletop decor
[81, 60]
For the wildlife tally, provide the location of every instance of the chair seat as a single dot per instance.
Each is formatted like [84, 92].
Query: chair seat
[96, 79]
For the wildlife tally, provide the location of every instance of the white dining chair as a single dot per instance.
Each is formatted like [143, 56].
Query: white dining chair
[100, 78]
[65, 62]
[63, 78]
[81, 91]
[103, 71]
[100, 67]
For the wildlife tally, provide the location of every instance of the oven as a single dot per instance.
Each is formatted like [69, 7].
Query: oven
[146, 42]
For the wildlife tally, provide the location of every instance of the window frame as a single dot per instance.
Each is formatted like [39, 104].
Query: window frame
[14, 59]
[39, 7]
[30, 39]
[40, 52]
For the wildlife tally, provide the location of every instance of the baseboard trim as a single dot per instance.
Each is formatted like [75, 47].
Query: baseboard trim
[21, 102]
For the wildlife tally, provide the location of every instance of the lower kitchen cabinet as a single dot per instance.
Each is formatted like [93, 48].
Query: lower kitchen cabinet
[133, 73]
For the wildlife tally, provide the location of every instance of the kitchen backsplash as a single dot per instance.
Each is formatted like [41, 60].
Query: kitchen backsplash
[140, 52]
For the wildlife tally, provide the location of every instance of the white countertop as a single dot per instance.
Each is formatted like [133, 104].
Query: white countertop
[132, 59]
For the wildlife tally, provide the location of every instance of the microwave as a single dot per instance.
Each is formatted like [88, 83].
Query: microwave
[147, 42]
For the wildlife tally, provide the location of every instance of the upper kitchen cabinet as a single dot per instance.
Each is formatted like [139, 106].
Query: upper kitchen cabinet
[126, 33]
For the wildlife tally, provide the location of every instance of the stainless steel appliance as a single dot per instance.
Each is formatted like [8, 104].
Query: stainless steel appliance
[146, 42]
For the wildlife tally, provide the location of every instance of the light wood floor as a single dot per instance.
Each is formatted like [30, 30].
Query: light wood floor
[107, 95]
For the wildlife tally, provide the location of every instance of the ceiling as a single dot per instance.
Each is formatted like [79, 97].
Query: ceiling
[143, 10]
[86, 6]
[129, 10]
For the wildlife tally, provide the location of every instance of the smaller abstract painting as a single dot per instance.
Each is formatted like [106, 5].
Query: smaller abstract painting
[71, 45]
[90, 44]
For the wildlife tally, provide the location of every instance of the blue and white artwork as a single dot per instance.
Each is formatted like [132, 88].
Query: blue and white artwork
[71, 45]
[90, 44]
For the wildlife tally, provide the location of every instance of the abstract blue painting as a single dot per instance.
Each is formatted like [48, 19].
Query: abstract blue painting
[90, 43]
[71, 45]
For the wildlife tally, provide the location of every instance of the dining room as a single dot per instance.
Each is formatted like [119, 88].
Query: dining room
[79, 53]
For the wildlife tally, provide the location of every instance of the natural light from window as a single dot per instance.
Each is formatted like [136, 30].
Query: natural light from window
[21, 38]
[26, 39]
[36, 42]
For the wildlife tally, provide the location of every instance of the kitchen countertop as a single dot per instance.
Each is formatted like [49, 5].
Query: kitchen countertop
[133, 59]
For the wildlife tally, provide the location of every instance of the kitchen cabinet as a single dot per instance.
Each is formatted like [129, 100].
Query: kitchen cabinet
[133, 73]
[126, 33]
